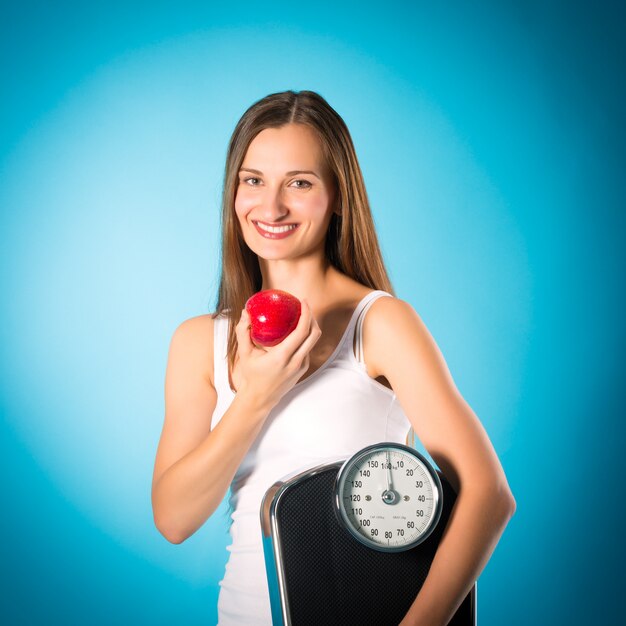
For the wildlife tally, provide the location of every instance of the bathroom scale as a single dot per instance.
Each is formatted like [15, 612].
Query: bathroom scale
[350, 542]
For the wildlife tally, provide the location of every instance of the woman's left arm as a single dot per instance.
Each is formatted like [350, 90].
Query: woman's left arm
[399, 347]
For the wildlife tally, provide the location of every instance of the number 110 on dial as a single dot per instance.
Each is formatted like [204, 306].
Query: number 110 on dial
[388, 497]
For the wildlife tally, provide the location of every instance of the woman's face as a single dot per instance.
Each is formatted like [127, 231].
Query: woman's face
[284, 199]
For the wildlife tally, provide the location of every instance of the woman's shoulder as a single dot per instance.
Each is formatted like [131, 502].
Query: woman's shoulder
[391, 327]
[389, 306]
[199, 330]
[196, 326]
[391, 316]
[192, 343]
[383, 308]
[347, 289]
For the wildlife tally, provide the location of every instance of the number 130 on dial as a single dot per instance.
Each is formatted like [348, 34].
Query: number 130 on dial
[388, 496]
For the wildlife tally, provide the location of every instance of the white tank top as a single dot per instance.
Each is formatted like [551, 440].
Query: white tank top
[334, 412]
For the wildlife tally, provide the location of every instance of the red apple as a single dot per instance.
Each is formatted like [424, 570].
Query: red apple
[273, 315]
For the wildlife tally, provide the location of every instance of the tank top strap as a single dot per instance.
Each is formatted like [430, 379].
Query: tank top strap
[364, 305]
[220, 345]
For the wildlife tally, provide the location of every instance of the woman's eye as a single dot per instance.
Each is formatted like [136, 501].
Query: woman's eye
[305, 184]
[253, 181]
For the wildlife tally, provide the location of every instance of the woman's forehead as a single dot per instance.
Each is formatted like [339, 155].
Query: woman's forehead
[294, 146]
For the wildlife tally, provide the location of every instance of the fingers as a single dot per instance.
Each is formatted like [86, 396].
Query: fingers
[294, 340]
[301, 354]
[242, 330]
[306, 336]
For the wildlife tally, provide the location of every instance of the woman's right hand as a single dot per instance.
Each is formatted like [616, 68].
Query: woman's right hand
[265, 375]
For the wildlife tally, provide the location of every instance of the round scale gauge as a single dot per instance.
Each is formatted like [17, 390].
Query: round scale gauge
[388, 496]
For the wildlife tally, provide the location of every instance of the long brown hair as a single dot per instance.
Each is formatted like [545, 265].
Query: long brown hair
[351, 243]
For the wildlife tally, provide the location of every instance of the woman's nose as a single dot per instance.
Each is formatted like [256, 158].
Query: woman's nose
[274, 206]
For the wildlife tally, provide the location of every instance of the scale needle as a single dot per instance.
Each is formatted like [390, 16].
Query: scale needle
[389, 478]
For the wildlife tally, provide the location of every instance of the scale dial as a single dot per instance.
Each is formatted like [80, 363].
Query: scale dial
[388, 496]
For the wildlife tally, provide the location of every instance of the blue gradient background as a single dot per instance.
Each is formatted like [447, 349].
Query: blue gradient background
[491, 138]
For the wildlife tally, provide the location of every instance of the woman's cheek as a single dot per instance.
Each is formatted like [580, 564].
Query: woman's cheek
[315, 207]
[243, 205]
[321, 206]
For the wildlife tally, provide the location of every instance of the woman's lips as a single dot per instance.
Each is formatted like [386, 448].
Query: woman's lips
[275, 231]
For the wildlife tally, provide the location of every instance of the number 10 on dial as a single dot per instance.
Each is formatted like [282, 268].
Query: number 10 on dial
[388, 496]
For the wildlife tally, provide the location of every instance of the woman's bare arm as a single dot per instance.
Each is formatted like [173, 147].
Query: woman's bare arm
[399, 347]
[194, 466]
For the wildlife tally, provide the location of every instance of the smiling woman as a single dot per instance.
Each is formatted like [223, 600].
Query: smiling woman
[359, 368]
[294, 206]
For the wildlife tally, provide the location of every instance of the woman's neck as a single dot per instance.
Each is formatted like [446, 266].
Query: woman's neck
[307, 279]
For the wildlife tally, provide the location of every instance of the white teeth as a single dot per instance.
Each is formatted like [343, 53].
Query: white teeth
[275, 229]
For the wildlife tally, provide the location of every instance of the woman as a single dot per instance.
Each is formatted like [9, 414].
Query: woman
[296, 217]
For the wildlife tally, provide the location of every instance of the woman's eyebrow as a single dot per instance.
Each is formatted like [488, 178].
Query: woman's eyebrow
[292, 173]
